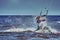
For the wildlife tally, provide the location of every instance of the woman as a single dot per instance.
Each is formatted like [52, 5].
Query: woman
[42, 24]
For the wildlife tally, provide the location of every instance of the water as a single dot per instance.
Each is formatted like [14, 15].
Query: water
[26, 21]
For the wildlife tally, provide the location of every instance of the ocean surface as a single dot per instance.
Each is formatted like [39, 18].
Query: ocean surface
[26, 21]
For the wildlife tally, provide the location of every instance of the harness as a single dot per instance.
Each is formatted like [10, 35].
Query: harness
[38, 21]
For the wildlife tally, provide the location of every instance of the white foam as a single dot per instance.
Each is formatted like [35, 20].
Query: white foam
[18, 29]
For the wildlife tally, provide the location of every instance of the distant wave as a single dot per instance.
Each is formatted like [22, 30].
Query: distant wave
[58, 21]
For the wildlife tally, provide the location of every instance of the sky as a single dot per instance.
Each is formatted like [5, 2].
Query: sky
[29, 7]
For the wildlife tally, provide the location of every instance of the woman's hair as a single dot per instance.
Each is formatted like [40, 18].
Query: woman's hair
[38, 17]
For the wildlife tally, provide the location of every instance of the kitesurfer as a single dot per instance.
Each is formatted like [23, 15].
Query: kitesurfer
[41, 22]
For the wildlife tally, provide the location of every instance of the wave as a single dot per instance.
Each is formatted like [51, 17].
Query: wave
[30, 29]
[58, 21]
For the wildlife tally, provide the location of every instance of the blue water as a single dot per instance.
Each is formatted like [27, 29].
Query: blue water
[26, 21]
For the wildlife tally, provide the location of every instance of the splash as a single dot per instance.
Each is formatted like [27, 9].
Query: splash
[53, 30]
[46, 31]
